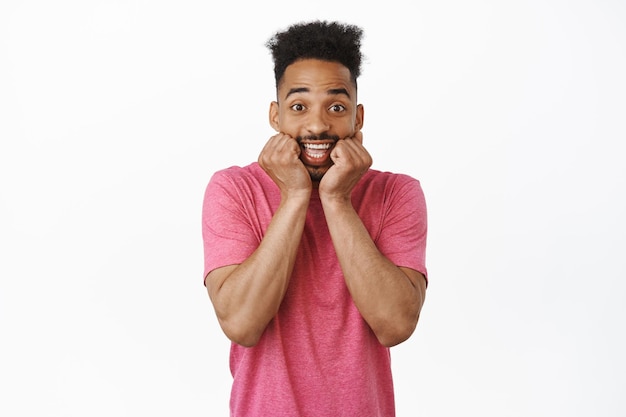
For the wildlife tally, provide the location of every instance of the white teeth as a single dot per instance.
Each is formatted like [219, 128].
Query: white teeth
[317, 145]
[316, 150]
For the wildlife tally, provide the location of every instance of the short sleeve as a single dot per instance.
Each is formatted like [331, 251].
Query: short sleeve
[227, 233]
[402, 236]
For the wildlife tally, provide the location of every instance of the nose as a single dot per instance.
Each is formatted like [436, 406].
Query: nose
[317, 122]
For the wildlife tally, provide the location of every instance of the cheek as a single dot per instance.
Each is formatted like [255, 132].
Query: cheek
[346, 128]
[287, 121]
[289, 127]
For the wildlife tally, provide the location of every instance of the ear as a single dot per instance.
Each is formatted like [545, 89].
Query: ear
[274, 116]
[360, 114]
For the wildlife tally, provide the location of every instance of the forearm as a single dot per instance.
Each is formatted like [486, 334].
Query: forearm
[247, 296]
[388, 298]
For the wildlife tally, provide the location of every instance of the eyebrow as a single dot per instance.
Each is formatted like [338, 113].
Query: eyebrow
[331, 92]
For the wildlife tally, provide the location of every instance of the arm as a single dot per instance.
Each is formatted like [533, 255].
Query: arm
[388, 297]
[247, 296]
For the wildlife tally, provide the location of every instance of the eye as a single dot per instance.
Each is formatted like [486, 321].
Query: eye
[336, 108]
[297, 107]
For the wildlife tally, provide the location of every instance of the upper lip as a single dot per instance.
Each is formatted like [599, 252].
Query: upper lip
[322, 138]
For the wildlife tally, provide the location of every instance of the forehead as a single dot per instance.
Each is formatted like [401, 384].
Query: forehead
[316, 75]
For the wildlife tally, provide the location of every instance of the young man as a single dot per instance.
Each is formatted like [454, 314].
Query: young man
[314, 263]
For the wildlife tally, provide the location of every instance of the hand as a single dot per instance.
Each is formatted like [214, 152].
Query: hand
[351, 161]
[280, 159]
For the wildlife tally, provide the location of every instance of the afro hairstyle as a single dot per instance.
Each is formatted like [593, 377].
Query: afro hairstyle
[326, 41]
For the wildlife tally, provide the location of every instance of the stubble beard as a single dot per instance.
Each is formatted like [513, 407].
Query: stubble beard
[316, 173]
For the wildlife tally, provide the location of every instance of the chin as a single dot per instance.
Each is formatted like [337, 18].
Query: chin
[317, 173]
[316, 176]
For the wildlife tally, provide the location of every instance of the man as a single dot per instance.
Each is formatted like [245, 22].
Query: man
[314, 263]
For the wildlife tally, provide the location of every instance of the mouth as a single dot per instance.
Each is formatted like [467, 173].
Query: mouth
[316, 150]
[316, 154]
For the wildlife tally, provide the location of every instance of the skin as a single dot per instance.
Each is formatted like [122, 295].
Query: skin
[316, 98]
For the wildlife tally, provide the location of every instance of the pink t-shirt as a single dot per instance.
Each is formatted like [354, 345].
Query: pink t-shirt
[317, 357]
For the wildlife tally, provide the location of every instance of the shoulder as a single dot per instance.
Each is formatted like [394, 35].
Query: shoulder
[387, 181]
[249, 176]
[389, 191]
[249, 172]
[242, 185]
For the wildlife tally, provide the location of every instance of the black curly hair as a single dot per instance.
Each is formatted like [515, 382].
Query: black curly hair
[327, 41]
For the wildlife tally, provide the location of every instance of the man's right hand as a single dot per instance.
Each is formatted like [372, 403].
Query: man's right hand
[280, 159]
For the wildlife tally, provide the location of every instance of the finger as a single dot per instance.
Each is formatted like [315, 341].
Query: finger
[349, 146]
[289, 144]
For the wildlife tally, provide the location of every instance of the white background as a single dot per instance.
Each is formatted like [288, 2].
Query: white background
[114, 114]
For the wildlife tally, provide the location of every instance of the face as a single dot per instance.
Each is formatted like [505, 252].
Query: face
[316, 106]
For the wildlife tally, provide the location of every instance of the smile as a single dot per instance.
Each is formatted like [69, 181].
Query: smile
[316, 150]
